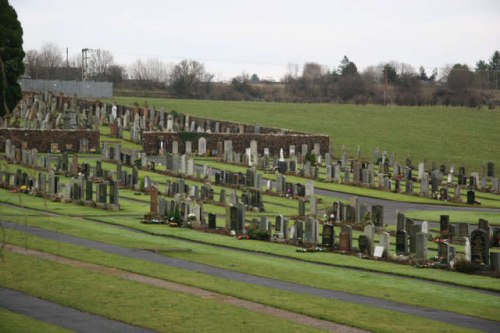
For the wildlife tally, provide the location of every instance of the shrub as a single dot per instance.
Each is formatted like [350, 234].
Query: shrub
[462, 264]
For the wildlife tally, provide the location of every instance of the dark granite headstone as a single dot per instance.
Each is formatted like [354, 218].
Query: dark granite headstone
[401, 242]
[212, 221]
[363, 244]
[328, 238]
[479, 247]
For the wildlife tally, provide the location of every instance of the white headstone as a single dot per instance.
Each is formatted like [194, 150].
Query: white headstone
[425, 227]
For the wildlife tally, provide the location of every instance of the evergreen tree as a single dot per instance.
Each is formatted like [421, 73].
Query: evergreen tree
[11, 58]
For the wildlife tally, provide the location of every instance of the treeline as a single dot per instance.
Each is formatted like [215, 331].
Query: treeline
[385, 83]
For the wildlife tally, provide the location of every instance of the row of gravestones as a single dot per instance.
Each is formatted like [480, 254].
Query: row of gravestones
[77, 190]
[180, 209]
[477, 242]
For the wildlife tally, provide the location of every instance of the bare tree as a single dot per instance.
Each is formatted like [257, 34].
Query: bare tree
[149, 73]
[50, 57]
[32, 63]
[189, 79]
[99, 63]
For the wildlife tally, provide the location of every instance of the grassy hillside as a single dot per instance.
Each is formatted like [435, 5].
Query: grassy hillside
[460, 136]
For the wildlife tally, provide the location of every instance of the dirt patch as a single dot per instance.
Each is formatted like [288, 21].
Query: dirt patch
[252, 306]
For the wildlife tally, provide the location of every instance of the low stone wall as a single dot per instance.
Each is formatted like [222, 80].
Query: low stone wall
[68, 140]
[151, 141]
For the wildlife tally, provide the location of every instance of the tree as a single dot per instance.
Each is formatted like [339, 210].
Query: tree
[32, 64]
[188, 78]
[115, 74]
[151, 73]
[11, 57]
[50, 57]
[422, 74]
[390, 73]
[255, 78]
[494, 63]
[99, 63]
[347, 67]
[460, 78]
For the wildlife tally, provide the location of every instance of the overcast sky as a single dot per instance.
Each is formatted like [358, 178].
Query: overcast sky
[262, 37]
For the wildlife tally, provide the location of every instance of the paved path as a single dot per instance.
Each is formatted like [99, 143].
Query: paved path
[62, 316]
[439, 315]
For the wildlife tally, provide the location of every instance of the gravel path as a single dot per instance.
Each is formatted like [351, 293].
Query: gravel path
[438, 315]
[252, 306]
[62, 316]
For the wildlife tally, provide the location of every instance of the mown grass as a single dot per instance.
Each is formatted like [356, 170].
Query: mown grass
[460, 136]
[11, 322]
[371, 318]
[132, 302]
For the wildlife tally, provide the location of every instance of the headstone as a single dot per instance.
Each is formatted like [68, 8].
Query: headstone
[202, 146]
[345, 241]
[385, 242]
[328, 238]
[444, 224]
[401, 242]
[479, 247]
[212, 221]
[363, 244]
[378, 215]
[421, 246]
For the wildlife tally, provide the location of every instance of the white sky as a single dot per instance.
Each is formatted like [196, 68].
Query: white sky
[258, 36]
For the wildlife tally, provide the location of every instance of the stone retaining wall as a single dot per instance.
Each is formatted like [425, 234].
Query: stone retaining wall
[151, 141]
[68, 140]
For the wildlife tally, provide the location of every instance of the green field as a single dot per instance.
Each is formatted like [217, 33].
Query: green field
[460, 136]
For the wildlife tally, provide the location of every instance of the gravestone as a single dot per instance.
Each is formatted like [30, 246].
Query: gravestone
[378, 215]
[345, 241]
[421, 246]
[471, 197]
[444, 252]
[467, 249]
[463, 229]
[212, 221]
[369, 231]
[363, 244]
[102, 193]
[328, 238]
[401, 242]
[479, 247]
[385, 243]
[413, 230]
[202, 146]
[444, 224]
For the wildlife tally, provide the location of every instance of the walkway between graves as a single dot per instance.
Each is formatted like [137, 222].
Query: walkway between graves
[252, 306]
[60, 315]
[433, 314]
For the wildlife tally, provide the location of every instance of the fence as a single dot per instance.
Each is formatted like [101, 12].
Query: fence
[69, 88]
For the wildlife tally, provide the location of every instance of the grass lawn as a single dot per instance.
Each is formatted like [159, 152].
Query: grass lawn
[370, 318]
[135, 303]
[460, 136]
[300, 272]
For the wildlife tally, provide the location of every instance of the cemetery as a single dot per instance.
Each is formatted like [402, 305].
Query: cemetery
[218, 193]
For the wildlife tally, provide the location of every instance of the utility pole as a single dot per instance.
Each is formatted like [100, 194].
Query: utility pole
[385, 86]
